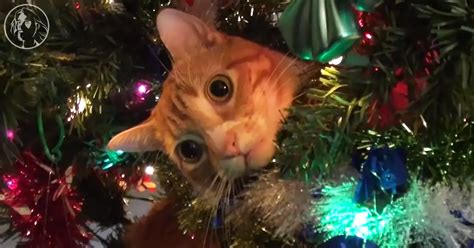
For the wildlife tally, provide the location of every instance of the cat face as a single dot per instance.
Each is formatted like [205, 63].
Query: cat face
[221, 105]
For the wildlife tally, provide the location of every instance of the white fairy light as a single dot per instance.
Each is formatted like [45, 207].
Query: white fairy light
[149, 170]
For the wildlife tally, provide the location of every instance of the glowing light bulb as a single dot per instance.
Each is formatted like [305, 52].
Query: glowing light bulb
[360, 218]
[336, 61]
[11, 182]
[142, 89]
[10, 135]
[149, 170]
[81, 105]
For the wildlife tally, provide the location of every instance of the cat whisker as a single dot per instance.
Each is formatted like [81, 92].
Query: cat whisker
[277, 66]
[180, 79]
[290, 64]
[214, 200]
[230, 191]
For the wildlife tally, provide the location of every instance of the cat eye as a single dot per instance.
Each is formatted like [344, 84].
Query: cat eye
[190, 151]
[220, 89]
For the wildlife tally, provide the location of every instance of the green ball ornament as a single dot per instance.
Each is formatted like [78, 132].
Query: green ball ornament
[319, 29]
[367, 5]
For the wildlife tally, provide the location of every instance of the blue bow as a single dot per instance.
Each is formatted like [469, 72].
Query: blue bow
[385, 169]
[348, 242]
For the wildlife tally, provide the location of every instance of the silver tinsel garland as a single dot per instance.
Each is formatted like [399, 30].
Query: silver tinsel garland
[280, 205]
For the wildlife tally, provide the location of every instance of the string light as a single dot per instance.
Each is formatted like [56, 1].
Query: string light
[11, 182]
[149, 170]
[10, 135]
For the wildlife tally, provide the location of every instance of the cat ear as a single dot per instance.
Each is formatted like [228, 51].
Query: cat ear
[183, 34]
[141, 138]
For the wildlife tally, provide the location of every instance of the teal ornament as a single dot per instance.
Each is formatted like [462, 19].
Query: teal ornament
[367, 5]
[319, 30]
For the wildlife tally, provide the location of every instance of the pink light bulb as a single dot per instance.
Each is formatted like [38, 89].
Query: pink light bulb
[11, 182]
[10, 135]
[142, 89]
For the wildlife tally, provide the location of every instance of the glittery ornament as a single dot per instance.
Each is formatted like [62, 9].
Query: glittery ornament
[369, 25]
[44, 206]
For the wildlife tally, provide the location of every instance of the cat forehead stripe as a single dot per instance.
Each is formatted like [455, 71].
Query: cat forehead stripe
[245, 59]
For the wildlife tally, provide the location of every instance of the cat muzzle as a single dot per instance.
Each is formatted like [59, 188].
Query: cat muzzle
[234, 167]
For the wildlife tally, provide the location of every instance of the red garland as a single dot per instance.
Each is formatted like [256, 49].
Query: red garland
[44, 206]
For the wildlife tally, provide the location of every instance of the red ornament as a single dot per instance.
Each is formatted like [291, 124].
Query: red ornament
[77, 5]
[44, 206]
[190, 2]
[369, 25]
[388, 114]
[399, 97]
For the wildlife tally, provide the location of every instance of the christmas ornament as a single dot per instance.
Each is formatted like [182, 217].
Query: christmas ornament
[319, 30]
[370, 25]
[44, 206]
[347, 241]
[367, 5]
[383, 115]
[385, 169]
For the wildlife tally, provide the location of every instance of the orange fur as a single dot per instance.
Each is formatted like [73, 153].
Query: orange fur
[160, 228]
[236, 136]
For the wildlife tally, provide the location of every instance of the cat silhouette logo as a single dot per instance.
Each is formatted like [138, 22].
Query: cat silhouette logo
[26, 26]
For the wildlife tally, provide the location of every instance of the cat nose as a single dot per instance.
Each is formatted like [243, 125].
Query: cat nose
[231, 145]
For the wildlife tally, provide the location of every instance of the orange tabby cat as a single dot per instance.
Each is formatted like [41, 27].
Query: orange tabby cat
[221, 105]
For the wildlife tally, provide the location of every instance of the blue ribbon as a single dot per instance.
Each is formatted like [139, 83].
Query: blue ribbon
[385, 169]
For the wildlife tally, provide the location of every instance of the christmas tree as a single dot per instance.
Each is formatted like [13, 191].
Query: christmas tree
[376, 151]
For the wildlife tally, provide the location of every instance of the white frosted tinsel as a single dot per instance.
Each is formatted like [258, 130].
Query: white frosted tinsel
[422, 216]
[280, 205]
[445, 199]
